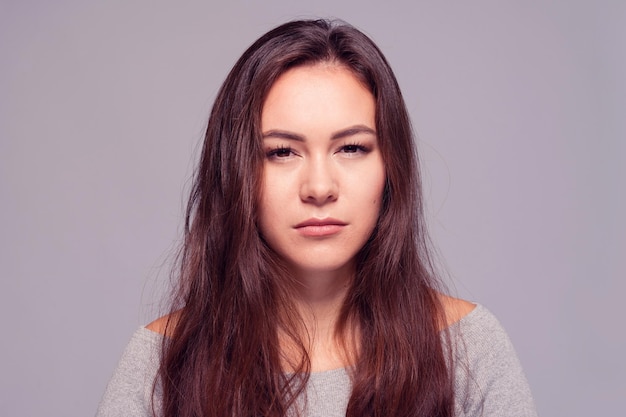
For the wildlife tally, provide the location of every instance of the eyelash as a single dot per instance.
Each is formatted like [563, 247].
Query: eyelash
[355, 147]
[287, 150]
[274, 153]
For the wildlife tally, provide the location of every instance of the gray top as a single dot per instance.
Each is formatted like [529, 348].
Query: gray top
[489, 380]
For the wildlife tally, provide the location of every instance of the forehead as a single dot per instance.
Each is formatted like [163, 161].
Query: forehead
[326, 93]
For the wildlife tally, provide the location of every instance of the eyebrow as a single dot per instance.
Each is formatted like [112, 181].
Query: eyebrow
[351, 131]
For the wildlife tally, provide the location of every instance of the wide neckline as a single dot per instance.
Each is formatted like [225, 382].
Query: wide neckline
[156, 338]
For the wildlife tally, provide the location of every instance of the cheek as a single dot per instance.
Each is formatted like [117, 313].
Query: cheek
[265, 213]
[271, 204]
[270, 183]
[376, 184]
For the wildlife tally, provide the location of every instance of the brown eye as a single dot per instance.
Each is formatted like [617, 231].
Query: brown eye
[280, 153]
[354, 148]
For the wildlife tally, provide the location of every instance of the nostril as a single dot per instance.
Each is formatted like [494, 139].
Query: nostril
[318, 184]
[319, 193]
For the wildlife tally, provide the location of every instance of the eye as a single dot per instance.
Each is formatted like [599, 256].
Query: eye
[354, 148]
[280, 152]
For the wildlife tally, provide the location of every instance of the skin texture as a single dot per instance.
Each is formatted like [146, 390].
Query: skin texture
[322, 161]
[322, 188]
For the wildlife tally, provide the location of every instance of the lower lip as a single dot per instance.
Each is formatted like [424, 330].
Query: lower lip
[320, 230]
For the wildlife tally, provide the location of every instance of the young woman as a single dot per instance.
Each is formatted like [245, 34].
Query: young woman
[306, 286]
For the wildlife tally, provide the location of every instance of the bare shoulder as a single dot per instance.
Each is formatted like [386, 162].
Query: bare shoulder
[455, 308]
[164, 325]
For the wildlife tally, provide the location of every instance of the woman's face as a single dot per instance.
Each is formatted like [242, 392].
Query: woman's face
[323, 171]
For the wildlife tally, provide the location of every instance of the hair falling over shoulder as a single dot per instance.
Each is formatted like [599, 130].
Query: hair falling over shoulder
[222, 356]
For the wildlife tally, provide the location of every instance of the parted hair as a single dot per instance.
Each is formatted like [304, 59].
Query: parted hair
[222, 355]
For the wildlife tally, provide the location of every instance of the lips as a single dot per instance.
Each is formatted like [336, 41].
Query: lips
[320, 227]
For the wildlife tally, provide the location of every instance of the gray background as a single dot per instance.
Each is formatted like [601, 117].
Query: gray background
[519, 110]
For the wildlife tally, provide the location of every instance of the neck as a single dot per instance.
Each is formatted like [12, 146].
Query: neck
[320, 295]
[319, 301]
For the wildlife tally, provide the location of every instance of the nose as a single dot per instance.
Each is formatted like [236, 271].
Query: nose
[319, 182]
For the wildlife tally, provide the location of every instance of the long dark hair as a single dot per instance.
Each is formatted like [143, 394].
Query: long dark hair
[223, 356]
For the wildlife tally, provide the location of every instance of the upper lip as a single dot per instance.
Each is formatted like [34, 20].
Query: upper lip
[320, 222]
